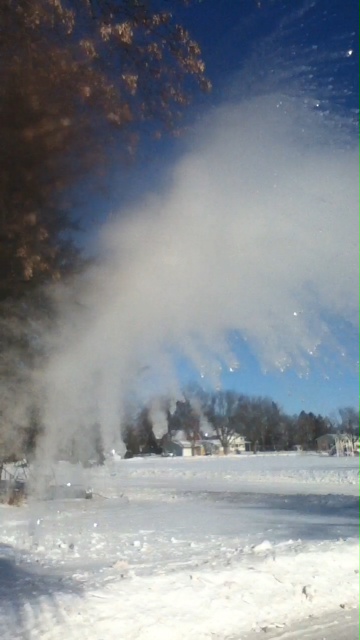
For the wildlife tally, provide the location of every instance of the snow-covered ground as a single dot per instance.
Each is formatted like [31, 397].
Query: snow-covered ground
[205, 548]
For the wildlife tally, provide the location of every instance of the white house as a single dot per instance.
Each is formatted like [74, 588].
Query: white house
[237, 444]
[183, 448]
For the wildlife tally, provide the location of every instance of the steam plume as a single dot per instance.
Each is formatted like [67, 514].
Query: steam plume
[256, 233]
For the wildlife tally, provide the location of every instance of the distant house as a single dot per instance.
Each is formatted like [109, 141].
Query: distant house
[297, 447]
[237, 444]
[183, 448]
[340, 444]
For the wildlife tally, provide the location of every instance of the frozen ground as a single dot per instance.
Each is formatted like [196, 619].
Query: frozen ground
[204, 548]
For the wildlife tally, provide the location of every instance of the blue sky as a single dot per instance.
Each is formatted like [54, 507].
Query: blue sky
[315, 49]
[330, 383]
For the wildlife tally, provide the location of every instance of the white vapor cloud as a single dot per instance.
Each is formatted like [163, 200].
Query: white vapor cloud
[257, 233]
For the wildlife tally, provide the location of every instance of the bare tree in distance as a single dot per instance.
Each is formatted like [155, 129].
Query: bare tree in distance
[222, 413]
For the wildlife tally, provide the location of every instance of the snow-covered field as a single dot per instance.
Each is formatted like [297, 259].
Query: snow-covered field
[205, 548]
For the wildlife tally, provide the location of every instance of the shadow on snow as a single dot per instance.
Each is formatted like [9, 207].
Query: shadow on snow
[26, 592]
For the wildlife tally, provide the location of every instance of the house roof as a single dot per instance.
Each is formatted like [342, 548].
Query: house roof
[185, 444]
